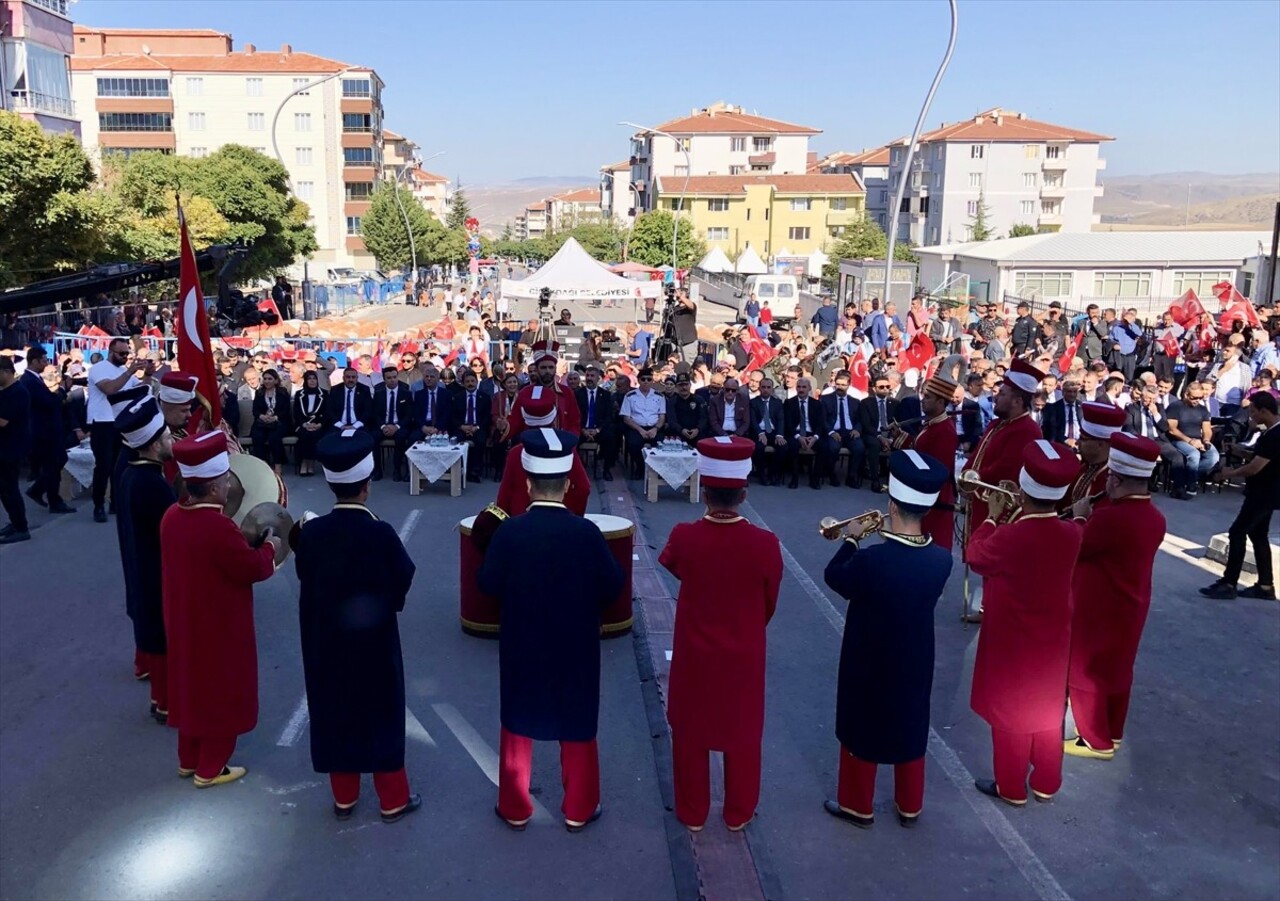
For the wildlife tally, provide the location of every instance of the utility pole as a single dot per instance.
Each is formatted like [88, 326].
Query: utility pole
[1269, 289]
[1187, 219]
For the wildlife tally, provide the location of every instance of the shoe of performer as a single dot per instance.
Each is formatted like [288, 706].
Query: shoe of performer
[908, 821]
[184, 773]
[988, 788]
[343, 813]
[1221, 590]
[575, 826]
[15, 536]
[7, 530]
[228, 774]
[973, 616]
[36, 496]
[513, 825]
[1259, 592]
[607, 475]
[99, 514]
[740, 826]
[848, 816]
[415, 801]
[61, 507]
[1078, 747]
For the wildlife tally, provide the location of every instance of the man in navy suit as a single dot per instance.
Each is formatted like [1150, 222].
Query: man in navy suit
[351, 403]
[599, 417]
[768, 429]
[806, 424]
[392, 414]
[874, 414]
[434, 405]
[471, 420]
[843, 430]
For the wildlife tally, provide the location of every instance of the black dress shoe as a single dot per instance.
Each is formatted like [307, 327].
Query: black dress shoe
[850, 483]
[15, 536]
[61, 507]
[840, 813]
[815, 484]
[988, 788]
[907, 822]
[1220, 590]
[1258, 592]
[36, 496]
[607, 476]
[415, 801]
[343, 813]
[595, 815]
[99, 515]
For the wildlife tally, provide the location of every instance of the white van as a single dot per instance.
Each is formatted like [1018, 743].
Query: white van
[781, 291]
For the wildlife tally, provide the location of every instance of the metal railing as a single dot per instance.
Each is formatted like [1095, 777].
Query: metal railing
[34, 101]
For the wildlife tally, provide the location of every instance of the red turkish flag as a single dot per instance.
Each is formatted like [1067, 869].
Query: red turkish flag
[1169, 343]
[1239, 309]
[1187, 309]
[918, 353]
[859, 377]
[1226, 294]
[1064, 361]
[195, 350]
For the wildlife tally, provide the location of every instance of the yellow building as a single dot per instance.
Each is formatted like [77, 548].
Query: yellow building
[770, 213]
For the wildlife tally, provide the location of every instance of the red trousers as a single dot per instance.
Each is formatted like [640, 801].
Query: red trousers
[856, 789]
[579, 774]
[158, 666]
[392, 789]
[692, 770]
[207, 756]
[1016, 752]
[940, 525]
[1100, 717]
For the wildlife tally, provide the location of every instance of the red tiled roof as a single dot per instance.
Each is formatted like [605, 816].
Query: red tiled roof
[877, 157]
[998, 124]
[260, 61]
[710, 122]
[427, 178]
[583, 195]
[158, 32]
[615, 167]
[783, 184]
[389, 135]
[539, 207]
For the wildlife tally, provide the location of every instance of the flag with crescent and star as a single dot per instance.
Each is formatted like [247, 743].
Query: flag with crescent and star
[195, 350]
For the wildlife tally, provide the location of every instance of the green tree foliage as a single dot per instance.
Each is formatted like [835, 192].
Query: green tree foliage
[1021, 229]
[863, 239]
[604, 240]
[507, 234]
[383, 228]
[980, 222]
[459, 210]
[650, 241]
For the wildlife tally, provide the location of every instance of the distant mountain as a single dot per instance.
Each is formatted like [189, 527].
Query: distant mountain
[497, 204]
[1162, 199]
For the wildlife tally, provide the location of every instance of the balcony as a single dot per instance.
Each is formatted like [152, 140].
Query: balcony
[762, 159]
[1055, 165]
[35, 102]
[1050, 220]
[842, 217]
[1054, 191]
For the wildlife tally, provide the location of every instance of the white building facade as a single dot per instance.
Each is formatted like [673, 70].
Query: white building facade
[618, 198]
[35, 46]
[872, 169]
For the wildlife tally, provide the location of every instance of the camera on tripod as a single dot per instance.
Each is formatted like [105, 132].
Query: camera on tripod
[544, 298]
[670, 294]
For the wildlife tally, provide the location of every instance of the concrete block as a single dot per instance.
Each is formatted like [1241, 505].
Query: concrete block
[1217, 551]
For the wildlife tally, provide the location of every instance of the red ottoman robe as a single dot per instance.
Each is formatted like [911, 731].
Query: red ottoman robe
[729, 572]
[1091, 480]
[568, 418]
[513, 493]
[209, 572]
[939, 440]
[998, 456]
[1112, 593]
[1020, 676]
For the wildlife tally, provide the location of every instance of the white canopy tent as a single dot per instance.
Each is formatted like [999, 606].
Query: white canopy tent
[817, 260]
[573, 275]
[749, 263]
[716, 261]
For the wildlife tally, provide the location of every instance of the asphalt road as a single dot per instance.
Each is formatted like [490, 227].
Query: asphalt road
[90, 804]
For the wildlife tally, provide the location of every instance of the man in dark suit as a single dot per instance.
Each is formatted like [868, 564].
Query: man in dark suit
[392, 414]
[686, 413]
[729, 414]
[471, 418]
[434, 405]
[806, 424]
[351, 403]
[843, 430]
[599, 418]
[768, 429]
[1060, 420]
[874, 415]
[48, 448]
[1146, 418]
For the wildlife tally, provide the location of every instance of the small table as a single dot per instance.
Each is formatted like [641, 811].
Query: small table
[678, 468]
[430, 462]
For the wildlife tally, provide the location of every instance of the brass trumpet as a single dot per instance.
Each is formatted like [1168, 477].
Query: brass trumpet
[832, 529]
[969, 483]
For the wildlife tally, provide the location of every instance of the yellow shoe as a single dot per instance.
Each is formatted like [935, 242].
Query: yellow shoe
[1080, 748]
[228, 774]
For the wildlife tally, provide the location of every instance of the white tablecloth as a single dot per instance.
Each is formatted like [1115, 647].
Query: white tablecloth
[433, 461]
[673, 467]
[80, 465]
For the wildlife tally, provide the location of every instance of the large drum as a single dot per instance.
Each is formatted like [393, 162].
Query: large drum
[477, 611]
[620, 534]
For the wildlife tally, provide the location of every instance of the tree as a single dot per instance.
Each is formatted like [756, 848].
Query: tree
[1021, 229]
[980, 228]
[650, 241]
[863, 239]
[383, 229]
[459, 211]
[604, 240]
[507, 234]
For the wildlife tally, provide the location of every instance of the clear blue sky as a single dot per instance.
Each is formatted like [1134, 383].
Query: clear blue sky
[518, 89]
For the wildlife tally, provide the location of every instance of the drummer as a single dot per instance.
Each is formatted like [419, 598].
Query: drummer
[350, 635]
[717, 665]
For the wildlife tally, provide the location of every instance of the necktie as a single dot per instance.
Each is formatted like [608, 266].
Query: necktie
[591, 409]
[391, 406]
[1071, 426]
[431, 396]
[804, 416]
[349, 417]
[471, 409]
[766, 425]
[882, 422]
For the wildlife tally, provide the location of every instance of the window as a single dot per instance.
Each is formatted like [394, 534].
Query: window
[253, 87]
[801, 204]
[762, 145]
[357, 87]
[54, 6]
[357, 122]
[937, 151]
[761, 167]
[933, 235]
[735, 170]
[302, 156]
[302, 122]
[798, 233]
[896, 155]
[681, 171]
[884, 195]
[976, 151]
[133, 87]
[359, 191]
[676, 203]
[883, 219]
[836, 230]
[1031, 151]
[737, 145]
[748, 214]
[686, 143]
[1053, 181]
[937, 179]
[975, 179]
[1055, 153]
[1042, 284]
[195, 121]
[1122, 284]
[719, 233]
[353, 225]
[127, 152]
[306, 190]
[766, 214]
[257, 121]
[839, 204]
[971, 207]
[195, 87]
[301, 83]
[1028, 207]
[198, 152]
[135, 122]
[1200, 281]
[1028, 179]
[718, 205]
[1049, 208]
[357, 156]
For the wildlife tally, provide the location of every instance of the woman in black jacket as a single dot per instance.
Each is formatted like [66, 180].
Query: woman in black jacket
[271, 421]
[309, 422]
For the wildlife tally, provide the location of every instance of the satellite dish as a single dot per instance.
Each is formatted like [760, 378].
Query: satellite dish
[146, 49]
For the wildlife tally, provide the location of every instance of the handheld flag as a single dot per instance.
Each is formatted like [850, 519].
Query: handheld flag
[1064, 362]
[195, 351]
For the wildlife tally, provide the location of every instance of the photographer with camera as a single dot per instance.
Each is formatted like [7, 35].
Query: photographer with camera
[119, 371]
[682, 322]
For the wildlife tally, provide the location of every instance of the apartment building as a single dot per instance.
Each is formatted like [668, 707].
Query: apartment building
[431, 190]
[618, 198]
[35, 48]
[564, 211]
[187, 91]
[772, 214]
[398, 153]
[532, 223]
[872, 169]
[1024, 171]
[719, 140]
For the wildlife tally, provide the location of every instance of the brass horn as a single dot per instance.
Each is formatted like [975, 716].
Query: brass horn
[832, 529]
[969, 483]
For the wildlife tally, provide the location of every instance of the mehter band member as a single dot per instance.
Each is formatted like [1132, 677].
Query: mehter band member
[553, 575]
[1112, 594]
[937, 438]
[886, 659]
[1098, 422]
[717, 662]
[350, 634]
[1020, 676]
[145, 497]
[209, 573]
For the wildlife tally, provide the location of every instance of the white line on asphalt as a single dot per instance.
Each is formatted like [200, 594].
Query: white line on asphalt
[479, 749]
[668, 653]
[1013, 844]
[414, 729]
[410, 522]
[293, 729]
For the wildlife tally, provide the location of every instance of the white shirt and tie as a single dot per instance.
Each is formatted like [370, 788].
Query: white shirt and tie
[844, 415]
[730, 413]
[392, 419]
[591, 408]
[349, 409]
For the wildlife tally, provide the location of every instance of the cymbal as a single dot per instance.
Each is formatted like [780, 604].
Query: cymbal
[264, 516]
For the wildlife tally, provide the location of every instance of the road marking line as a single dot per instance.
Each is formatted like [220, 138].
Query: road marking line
[1011, 842]
[410, 523]
[414, 729]
[668, 653]
[293, 729]
[291, 789]
[479, 749]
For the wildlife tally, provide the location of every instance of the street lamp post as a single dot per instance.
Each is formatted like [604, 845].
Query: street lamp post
[688, 170]
[395, 187]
